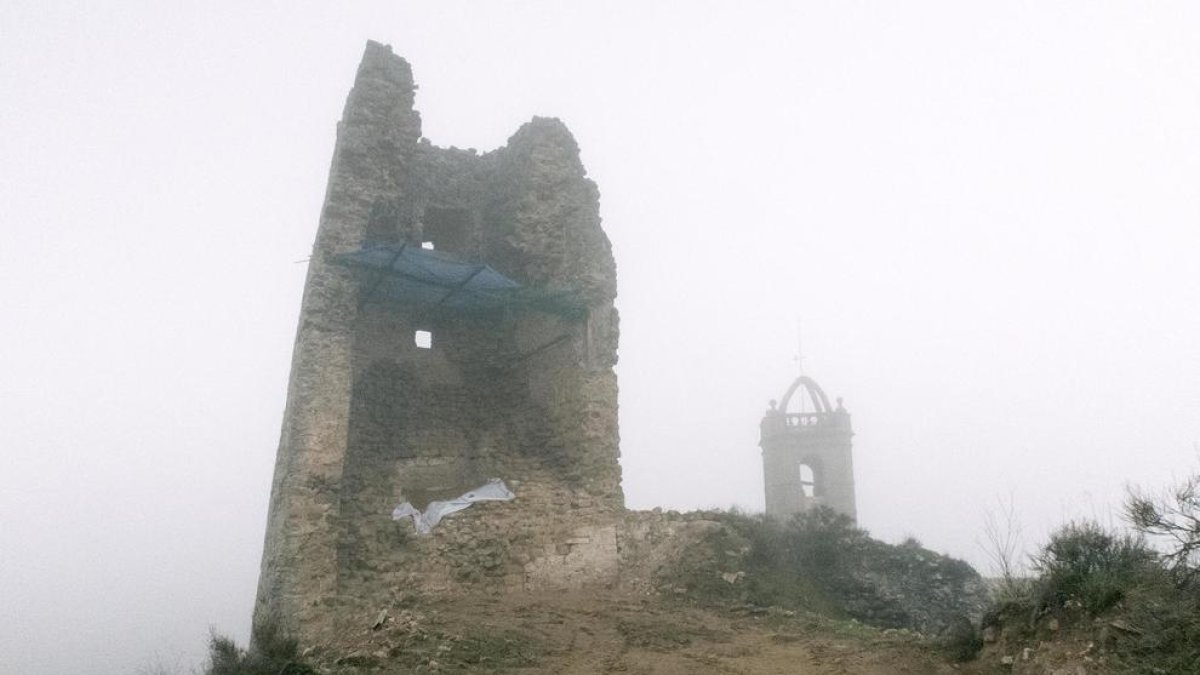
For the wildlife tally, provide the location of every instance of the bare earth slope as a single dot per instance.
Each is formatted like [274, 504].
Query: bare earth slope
[593, 633]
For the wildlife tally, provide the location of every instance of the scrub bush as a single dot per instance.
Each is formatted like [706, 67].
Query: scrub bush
[271, 652]
[1090, 564]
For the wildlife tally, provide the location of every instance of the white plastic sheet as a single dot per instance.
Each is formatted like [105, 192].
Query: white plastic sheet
[492, 491]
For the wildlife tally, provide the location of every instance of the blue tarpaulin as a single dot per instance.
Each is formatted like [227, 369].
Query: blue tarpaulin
[411, 275]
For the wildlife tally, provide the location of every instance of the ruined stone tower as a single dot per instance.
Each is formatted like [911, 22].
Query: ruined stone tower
[457, 326]
[806, 454]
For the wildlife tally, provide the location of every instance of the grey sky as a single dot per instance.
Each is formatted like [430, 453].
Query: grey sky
[985, 215]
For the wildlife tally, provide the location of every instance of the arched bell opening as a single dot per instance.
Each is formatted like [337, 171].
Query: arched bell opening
[808, 481]
[811, 477]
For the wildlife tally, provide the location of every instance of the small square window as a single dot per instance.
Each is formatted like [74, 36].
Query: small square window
[424, 339]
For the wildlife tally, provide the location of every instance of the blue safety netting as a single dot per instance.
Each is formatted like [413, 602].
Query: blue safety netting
[410, 275]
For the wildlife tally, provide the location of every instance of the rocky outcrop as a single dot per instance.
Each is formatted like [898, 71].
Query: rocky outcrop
[818, 562]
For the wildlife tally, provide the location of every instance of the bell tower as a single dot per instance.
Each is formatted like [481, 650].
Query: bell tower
[807, 453]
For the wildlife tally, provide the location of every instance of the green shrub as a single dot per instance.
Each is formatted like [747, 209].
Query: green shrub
[804, 563]
[271, 652]
[1088, 563]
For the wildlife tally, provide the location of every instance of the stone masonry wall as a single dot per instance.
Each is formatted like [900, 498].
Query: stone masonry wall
[373, 420]
[377, 133]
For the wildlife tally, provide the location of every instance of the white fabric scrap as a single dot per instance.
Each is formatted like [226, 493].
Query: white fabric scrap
[492, 491]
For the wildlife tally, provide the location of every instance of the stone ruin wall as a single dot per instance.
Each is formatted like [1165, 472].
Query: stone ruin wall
[372, 420]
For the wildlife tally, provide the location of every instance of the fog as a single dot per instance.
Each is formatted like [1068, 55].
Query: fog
[983, 217]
